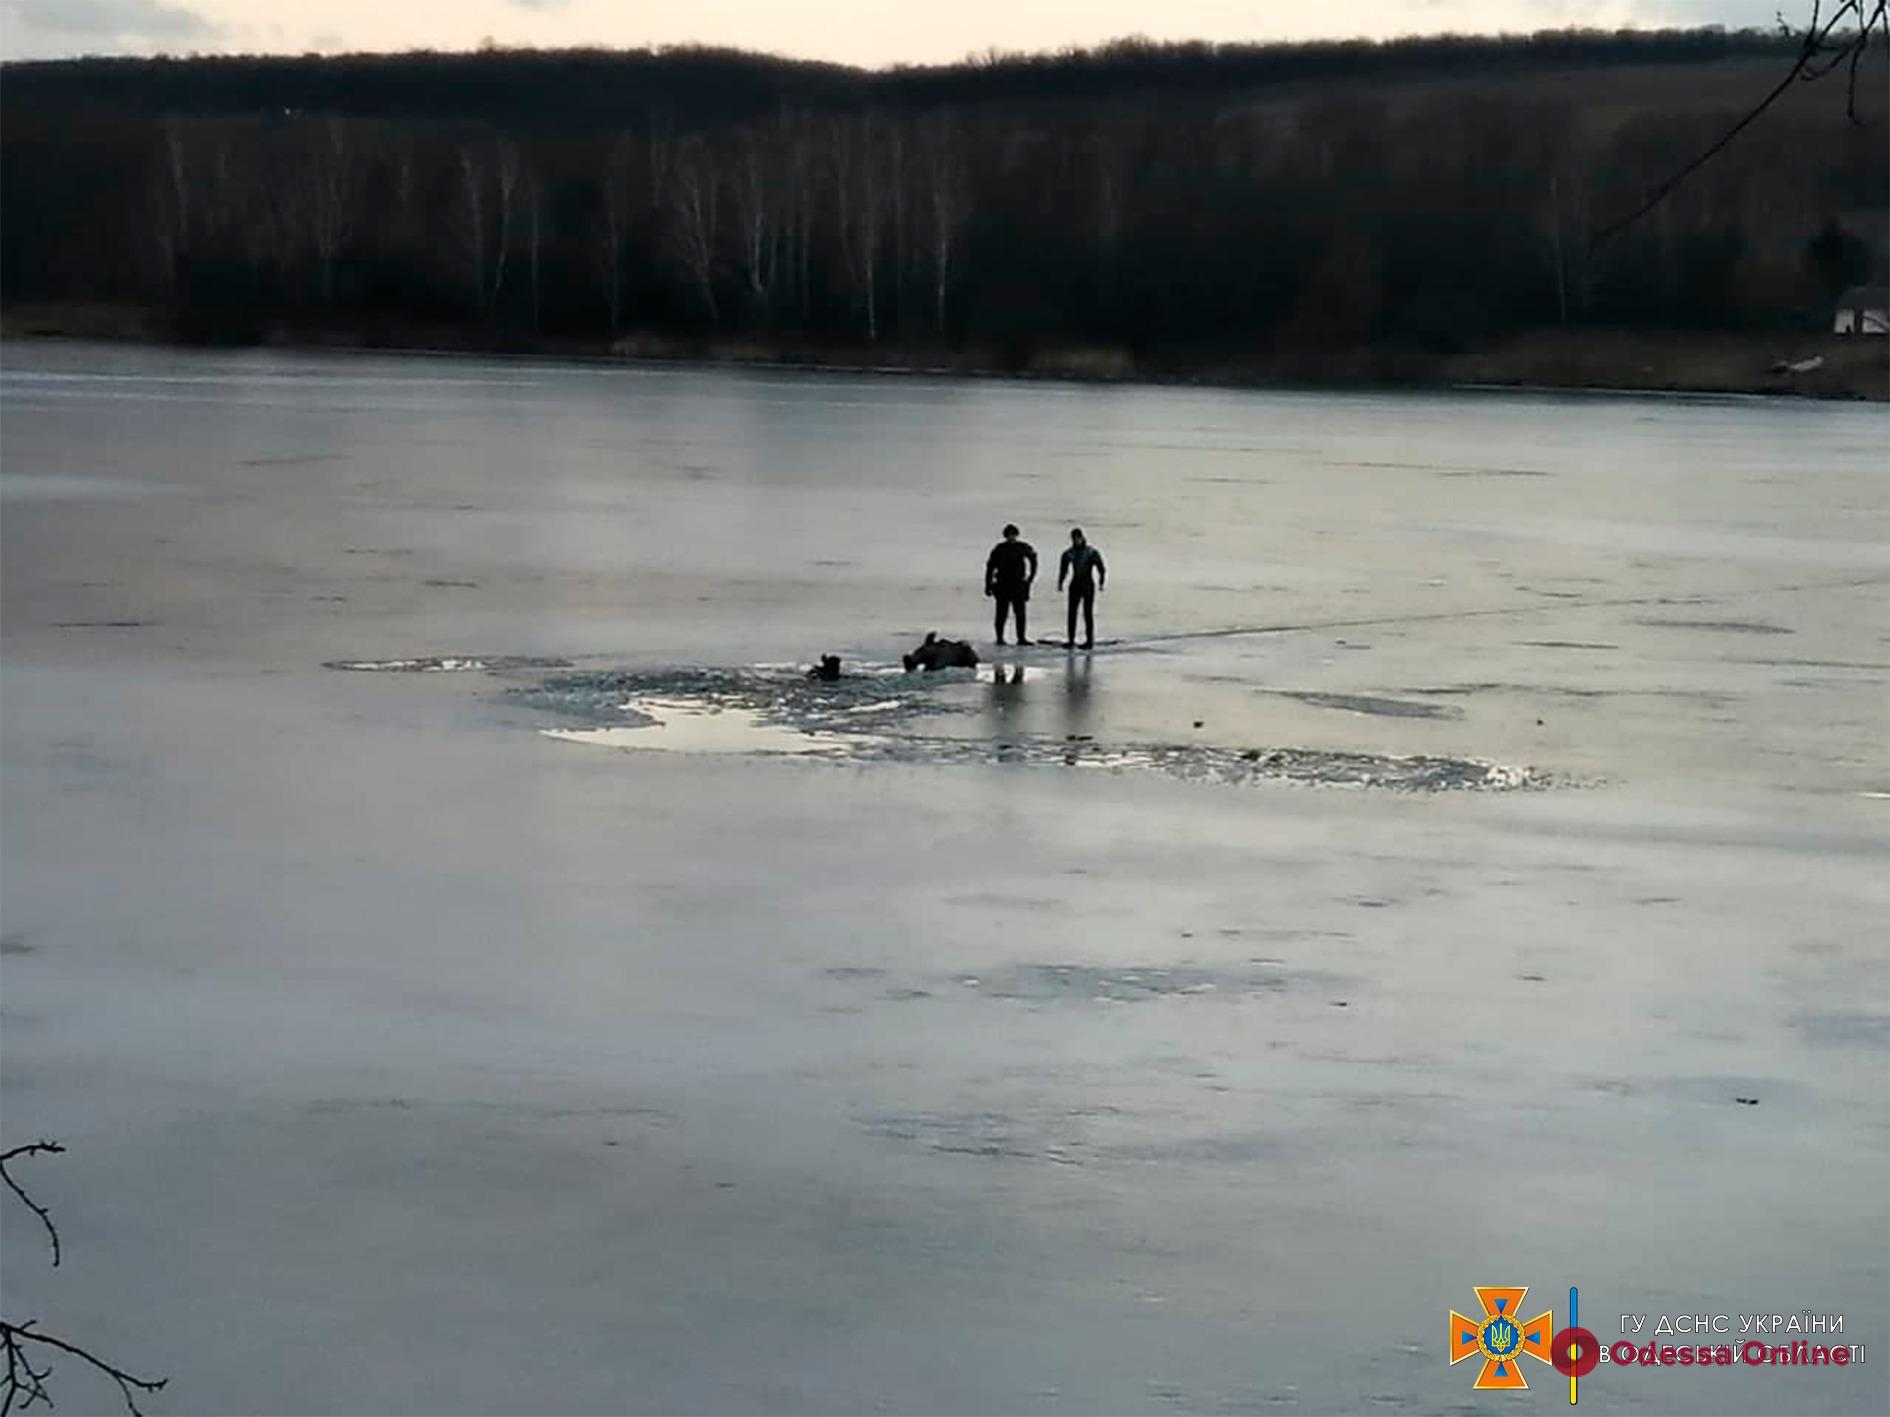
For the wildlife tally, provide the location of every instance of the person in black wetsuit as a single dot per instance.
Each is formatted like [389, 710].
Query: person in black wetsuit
[1083, 566]
[1008, 572]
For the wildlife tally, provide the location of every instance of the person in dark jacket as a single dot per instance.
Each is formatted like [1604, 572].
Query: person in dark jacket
[1008, 572]
[1082, 566]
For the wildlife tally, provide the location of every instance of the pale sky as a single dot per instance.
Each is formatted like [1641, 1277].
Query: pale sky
[872, 32]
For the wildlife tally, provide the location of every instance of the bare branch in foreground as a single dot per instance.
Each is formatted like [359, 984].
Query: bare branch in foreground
[22, 1385]
[1822, 49]
[26, 1385]
[37, 1148]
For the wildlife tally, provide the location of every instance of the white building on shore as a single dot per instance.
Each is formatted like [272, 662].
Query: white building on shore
[1863, 310]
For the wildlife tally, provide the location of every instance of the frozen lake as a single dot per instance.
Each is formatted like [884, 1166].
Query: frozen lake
[1141, 1032]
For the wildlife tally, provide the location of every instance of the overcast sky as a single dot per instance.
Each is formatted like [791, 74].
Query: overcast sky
[854, 31]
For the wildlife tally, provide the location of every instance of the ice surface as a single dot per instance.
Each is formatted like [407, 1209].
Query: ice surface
[414, 1062]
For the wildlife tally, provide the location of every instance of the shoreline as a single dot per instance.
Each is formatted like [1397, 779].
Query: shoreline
[1602, 362]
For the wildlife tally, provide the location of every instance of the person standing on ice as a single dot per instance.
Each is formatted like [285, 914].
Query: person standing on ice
[1008, 572]
[1083, 566]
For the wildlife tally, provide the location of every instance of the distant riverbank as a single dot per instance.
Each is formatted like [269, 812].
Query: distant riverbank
[1812, 366]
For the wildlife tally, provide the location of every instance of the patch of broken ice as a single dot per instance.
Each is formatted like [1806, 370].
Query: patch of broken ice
[1055, 983]
[450, 664]
[690, 726]
[876, 716]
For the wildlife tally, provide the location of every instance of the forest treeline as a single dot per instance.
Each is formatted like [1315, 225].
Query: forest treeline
[1158, 198]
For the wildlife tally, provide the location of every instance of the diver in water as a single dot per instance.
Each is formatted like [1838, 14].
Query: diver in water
[1008, 572]
[1082, 565]
[938, 653]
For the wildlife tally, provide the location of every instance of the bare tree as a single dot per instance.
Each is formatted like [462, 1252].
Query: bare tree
[798, 176]
[225, 189]
[1561, 219]
[506, 168]
[487, 210]
[1112, 151]
[695, 209]
[660, 147]
[276, 221]
[403, 178]
[877, 177]
[534, 234]
[948, 202]
[329, 201]
[613, 228]
[859, 171]
[173, 203]
[1557, 226]
[23, 1384]
[897, 204]
[839, 165]
[471, 219]
[755, 192]
[205, 198]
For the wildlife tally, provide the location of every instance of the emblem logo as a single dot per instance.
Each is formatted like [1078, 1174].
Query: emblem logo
[1501, 1336]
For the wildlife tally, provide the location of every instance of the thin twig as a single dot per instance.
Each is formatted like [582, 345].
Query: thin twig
[18, 1368]
[33, 1149]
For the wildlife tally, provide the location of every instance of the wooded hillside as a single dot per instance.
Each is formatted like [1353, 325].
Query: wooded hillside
[1426, 194]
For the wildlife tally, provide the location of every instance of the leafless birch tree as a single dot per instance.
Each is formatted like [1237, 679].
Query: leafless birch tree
[755, 189]
[506, 169]
[173, 202]
[613, 228]
[859, 172]
[329, 201]
[948, 203]
[694, 212]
